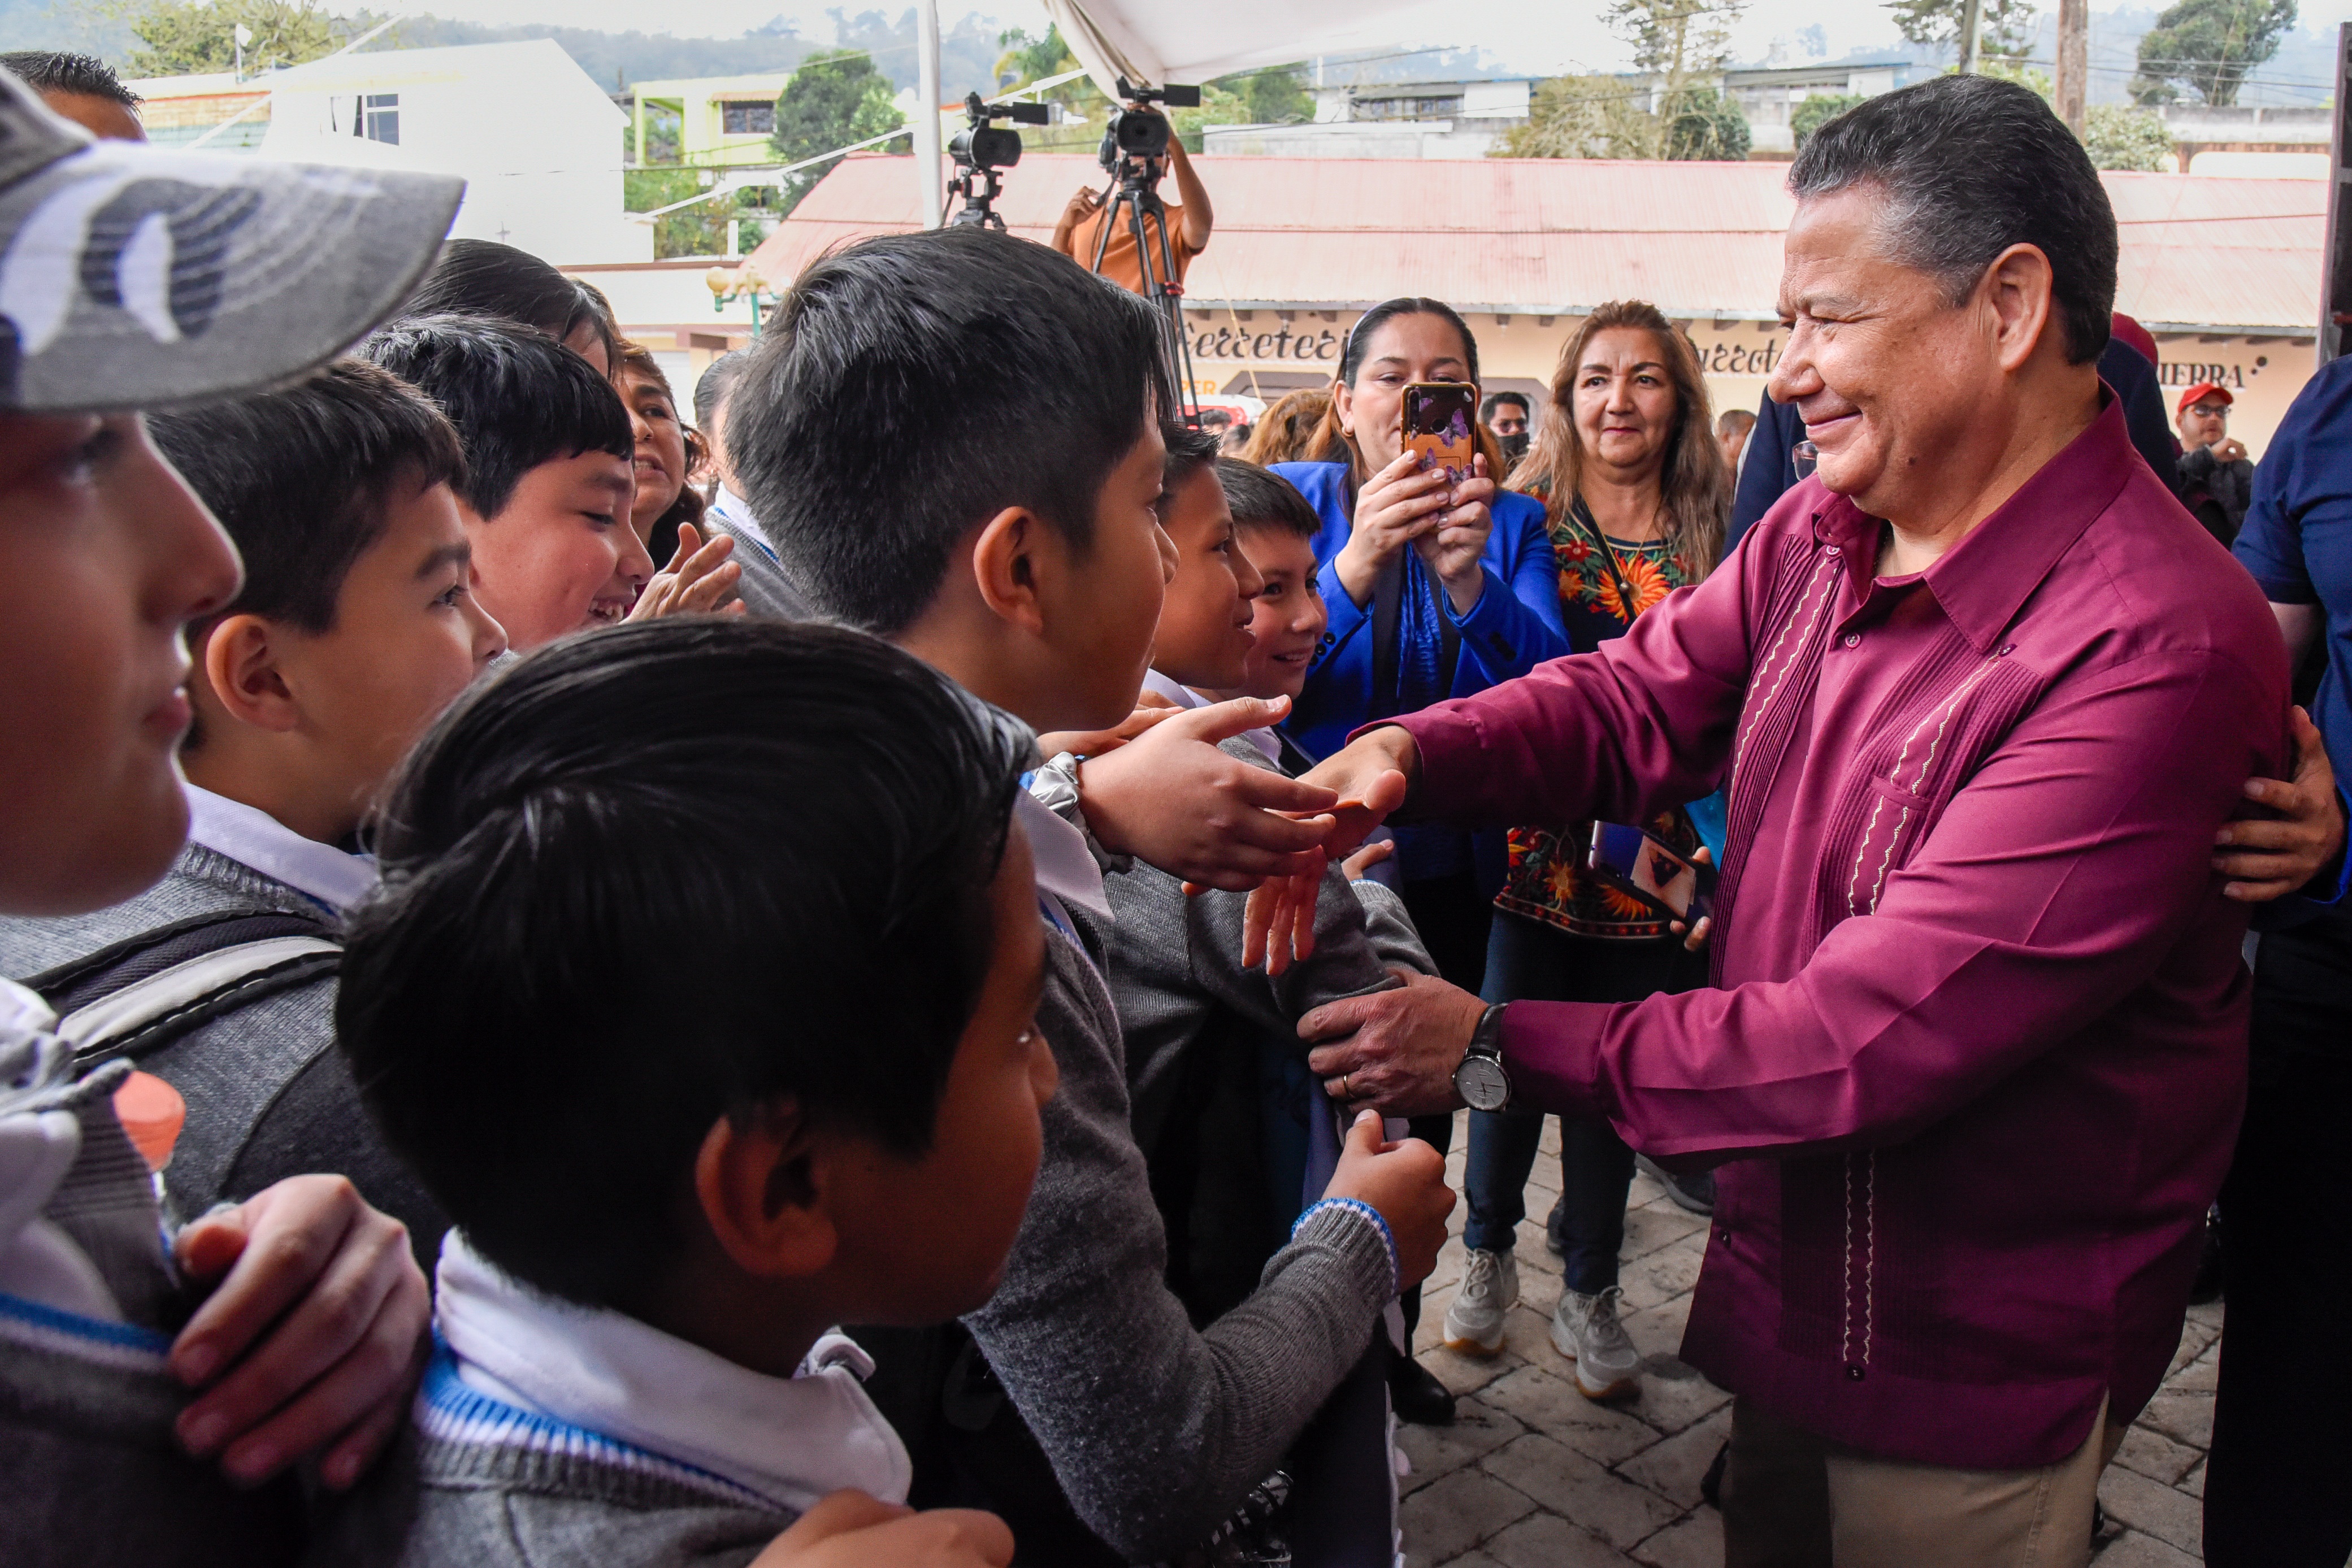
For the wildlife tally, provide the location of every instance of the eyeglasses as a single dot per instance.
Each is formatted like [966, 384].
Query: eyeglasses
[1807, 457]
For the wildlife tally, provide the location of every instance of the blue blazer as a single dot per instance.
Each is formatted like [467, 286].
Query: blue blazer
[1515, 626]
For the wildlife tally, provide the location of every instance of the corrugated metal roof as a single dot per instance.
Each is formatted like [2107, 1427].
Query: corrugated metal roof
[1556, 237]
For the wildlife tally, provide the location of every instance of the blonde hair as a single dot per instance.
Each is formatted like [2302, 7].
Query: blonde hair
[1694, 484]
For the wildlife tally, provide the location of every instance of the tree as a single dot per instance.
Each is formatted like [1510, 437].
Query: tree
[1703, 124]
[1819, 110]
[1678, 42]
[2004, 27]
[833, 98]
[181, 38]
[2208, 45]
[1084, 108]
[1275, 96]
[1579, 117]
[2118, 137]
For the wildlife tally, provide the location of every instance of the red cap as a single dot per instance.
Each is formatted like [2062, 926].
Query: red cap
[2198, 393]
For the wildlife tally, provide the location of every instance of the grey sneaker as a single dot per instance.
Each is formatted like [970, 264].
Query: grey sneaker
[1585, 1329]
[1490, 1287]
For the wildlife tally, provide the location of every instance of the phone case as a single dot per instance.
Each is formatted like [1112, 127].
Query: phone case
[1633, 861]
[1438, 417]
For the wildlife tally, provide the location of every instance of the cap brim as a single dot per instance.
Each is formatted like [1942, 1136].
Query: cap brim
[138, 278]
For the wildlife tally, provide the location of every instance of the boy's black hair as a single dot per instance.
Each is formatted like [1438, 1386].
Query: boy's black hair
[1190, 452]
[716, 385]
[517, 398]
[1494, 400]
[1261, 499]
[912, 386]
[670, 873]
[54, 70]
[483, 277]
[301, 476]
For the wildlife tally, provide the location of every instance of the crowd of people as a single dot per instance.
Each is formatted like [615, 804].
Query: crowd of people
[857, 980]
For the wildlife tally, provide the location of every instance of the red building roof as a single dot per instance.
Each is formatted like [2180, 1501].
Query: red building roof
[1556, 237]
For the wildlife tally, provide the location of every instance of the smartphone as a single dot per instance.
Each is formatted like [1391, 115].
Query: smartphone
[1438, 418]
[1633, 861]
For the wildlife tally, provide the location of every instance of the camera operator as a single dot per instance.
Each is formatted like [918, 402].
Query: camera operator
[1188, 220]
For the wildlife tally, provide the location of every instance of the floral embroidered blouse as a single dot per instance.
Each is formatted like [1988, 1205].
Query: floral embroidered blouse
[1546, 879]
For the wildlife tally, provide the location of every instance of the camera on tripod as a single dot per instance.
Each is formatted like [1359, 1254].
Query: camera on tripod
[1138, 135]
[980, 151]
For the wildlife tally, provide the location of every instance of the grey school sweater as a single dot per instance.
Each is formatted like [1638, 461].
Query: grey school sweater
[1157, 1430]
[267, 1098]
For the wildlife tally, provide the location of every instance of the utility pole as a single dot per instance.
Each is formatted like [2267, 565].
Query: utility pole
[927, 152]
[2073, 61]
[1972, 36]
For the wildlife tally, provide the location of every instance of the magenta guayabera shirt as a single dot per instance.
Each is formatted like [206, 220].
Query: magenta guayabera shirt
[1982, 1003]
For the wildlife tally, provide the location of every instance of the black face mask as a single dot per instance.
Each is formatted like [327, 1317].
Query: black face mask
[1514, 446]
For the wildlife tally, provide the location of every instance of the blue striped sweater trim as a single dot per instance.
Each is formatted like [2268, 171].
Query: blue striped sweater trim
[127, 1345]
[447, 1411]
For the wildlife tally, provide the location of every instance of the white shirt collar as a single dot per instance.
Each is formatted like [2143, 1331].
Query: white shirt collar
[1269, 745]
[254, 838]
[738, 515]
[1065, 866]
[792, 1440]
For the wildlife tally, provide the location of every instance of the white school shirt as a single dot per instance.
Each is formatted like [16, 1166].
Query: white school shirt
[1264, 739]
[252, 837]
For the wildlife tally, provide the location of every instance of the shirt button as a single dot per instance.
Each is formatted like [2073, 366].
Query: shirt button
[1853, 638]
[1832, 552]
[1853, 1372]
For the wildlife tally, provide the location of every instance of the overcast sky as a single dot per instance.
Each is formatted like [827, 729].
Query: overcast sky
[1532, 35]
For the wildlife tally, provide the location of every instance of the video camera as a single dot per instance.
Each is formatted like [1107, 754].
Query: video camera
[1136, 135]
[984, 149]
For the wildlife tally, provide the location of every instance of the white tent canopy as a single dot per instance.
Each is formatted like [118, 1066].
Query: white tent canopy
[1155, 42]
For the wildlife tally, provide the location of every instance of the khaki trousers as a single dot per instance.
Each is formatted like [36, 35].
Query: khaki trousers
[1792, 1499]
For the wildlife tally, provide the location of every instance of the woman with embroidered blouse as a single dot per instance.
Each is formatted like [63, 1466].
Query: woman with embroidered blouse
[1635, 494]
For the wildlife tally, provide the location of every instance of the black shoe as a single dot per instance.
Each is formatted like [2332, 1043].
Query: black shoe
[2207, 1288]
[1553, 1225]
[1695, 1192]
[1417, 1396]
[1710, 1485]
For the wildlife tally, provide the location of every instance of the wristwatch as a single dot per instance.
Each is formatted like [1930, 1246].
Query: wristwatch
[1480, 1079]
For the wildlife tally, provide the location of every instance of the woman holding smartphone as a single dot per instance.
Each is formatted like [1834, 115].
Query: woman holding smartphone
[1635, 494]
[1435, 590]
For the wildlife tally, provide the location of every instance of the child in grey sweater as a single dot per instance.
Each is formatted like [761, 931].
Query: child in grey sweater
[700, 993]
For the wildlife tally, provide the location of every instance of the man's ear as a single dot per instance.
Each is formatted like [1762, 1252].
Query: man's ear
[1012, 550]
[2020, 290]
[240, 663]
[762, 1186]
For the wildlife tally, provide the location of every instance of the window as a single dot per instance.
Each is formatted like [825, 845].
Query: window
[746, 118]
[378, 117]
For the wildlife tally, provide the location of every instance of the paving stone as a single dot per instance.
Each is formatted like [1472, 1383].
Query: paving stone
[1467, 1560]
[1438, 1451]
[2200, 1376]
[2183, 1417]
[1668, 1272]
[1657, 1225]
[1456, 1512]
[1696, 1541]
[1658, 1331]
[2133, 1550]
[2196, 1339]
[1548, 1403]
[1675, 1467]
[2156, 1455]
[1573, 1487]
[2193, 1483]
[1547, 1541]
[1467, 1373]
[2152, 1508]
[1674, 1395]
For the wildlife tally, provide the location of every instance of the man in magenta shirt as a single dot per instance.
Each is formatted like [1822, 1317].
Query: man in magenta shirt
[1985, 698]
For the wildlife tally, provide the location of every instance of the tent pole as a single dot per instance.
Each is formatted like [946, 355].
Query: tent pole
[927, 124]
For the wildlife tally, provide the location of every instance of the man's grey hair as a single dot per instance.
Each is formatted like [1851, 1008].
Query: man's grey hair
[1970, 166]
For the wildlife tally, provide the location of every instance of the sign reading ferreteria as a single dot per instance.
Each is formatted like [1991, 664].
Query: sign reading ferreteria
[1267, 350]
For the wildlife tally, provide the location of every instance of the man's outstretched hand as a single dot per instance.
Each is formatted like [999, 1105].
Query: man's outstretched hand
[1394, 1050]
[2270, 857]
[851, 1529]
[1370, 776]
[1170, 799]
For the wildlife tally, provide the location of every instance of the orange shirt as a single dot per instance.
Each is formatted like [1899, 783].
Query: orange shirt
[1119, 263]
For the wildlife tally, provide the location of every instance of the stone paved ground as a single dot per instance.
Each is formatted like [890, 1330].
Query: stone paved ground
[1534, 1475]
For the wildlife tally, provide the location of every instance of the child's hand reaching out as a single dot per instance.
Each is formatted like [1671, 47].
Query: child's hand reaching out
[851, 1529]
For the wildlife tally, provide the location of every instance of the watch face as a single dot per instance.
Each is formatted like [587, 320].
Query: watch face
[1482, 1083]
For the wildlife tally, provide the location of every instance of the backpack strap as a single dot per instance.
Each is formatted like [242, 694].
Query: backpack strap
[139, 995]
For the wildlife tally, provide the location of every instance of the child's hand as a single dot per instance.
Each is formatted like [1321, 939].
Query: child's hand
[851, 1529]
[1279, 926]
[314, 1340]
[1406, 1182]
[1365, 859]
[698, 580]
[1149, 709]
[1170, 799]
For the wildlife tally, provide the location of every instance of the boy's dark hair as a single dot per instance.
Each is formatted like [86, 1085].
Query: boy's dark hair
[483, 277]
[670, 873]
[1190, 452]
[54, 70]
[517, 398]
[1261, 499]
[1965, 167]
[1494, 400]
[912, 386]
[302, 478]
[716, 385]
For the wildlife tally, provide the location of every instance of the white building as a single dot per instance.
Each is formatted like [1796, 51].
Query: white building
[1388, 120]
[538, 142]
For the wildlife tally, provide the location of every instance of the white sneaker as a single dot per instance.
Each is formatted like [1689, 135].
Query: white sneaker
[1490, 1287]
[1585, 1330]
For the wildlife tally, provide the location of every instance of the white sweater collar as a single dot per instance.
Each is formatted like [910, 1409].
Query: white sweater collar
[252, 837]
[791, 1440]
